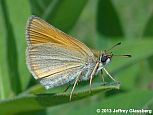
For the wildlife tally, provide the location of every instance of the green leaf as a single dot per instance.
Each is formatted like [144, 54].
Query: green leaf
[41, 101]
[41, 8]
[148, 30]
[59, 12]
[17, 15]
[108, 23]
[12, 60]
[5, 89]
[130, 82]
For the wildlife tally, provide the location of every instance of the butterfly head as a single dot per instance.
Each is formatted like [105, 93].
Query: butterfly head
[105, 58]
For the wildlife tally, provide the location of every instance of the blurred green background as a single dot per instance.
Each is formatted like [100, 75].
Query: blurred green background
[97, 23]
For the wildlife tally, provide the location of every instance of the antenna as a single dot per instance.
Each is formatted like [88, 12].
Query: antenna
[114, 46]
[124, 55]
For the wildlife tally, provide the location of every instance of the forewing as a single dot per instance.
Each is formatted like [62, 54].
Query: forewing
[38, 31]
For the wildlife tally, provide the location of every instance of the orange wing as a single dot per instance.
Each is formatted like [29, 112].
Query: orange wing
[38, 31]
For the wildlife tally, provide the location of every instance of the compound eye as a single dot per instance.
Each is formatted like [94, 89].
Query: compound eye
[104, 58]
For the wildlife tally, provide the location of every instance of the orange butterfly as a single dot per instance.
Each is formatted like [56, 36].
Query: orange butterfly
[55, 58]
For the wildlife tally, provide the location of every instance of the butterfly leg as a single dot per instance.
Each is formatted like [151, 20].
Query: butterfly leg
[101, 71]
[76, 80]
[102, 76]
[109, 74]
[92, 74]
[67, 87]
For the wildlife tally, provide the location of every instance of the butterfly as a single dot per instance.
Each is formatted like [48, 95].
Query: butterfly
[55, 58]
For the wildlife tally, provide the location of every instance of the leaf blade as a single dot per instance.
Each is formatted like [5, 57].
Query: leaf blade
[40, 101]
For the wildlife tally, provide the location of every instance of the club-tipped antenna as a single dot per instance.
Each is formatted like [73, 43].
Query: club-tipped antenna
[114, 46]
[124, 55]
